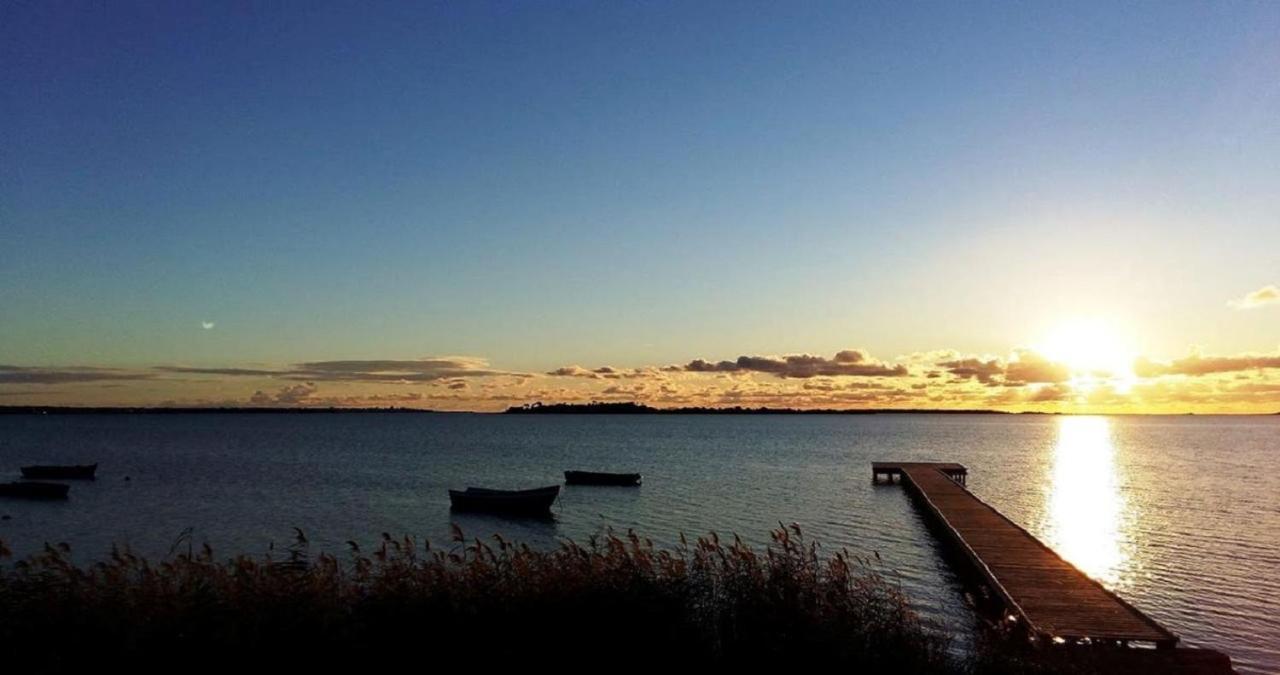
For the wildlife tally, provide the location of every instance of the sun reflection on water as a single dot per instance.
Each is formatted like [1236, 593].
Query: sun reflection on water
[1086, 507]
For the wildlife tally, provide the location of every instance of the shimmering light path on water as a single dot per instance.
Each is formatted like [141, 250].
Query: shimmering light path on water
[1087, 518]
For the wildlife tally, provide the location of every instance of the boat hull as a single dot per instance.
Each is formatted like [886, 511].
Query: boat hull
[598, 478]
[507, 502]
[34, 490]
[77, 472]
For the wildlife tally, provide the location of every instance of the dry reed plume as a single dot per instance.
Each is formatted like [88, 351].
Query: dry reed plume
[617, 597]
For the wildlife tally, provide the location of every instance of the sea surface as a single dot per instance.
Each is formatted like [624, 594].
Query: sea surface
[1180, 515]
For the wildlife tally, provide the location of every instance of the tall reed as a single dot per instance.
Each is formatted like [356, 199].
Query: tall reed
[615, 598]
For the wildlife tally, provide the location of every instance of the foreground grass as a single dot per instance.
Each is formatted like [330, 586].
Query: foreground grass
[615, 599]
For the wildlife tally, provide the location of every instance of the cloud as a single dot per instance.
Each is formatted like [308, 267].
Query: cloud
[1196, 364]
[418, 370]
[307, 395]
[407, 397]
[246, 372]
[831, 385]
[29, 375]
[572, 371]
[1053, 392]
[383, 370]
[611, 373]
[850, 362]
[1025, 380]
[753, 396]
[1030, 367]
[973, 368]
[380, 370]
[295, 394]
[1027, 367]
[1267, 295]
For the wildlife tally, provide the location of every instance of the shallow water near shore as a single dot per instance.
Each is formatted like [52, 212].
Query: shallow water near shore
[1180, 515]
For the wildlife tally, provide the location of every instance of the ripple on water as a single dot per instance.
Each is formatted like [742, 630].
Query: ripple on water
[1181, 515]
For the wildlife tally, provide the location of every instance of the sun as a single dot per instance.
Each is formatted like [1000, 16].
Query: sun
[1091, 348]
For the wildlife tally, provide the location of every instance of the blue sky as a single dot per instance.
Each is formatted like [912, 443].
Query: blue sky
[630, 183]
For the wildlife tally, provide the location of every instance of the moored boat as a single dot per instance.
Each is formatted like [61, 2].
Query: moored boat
[34, 490]
[601, 478]
[45, 471]
[511, 502]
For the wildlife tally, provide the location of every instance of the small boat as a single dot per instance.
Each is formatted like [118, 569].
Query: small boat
[599, 478]
[45, 471]
[511, 502]
[34, 490]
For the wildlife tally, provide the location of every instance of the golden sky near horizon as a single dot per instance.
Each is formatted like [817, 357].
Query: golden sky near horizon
[1083, 365]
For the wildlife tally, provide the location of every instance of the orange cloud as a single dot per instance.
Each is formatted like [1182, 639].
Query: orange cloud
[1027, 367]
[1025, 381]
[66, 375]
[985, 371]
[1195, 364]
[1031, 368]
[850, 362]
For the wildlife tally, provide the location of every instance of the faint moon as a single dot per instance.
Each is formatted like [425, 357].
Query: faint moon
[207, 325]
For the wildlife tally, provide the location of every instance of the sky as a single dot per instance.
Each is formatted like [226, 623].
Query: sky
[474, 205]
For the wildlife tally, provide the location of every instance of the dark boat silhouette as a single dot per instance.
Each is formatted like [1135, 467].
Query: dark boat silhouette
[34, 490]
[510, 502]
[44, 471]
[600, 478]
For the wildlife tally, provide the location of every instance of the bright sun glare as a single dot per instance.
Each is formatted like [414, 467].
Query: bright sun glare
[1090, 347]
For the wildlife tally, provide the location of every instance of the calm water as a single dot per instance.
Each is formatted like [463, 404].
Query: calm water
[1180, 515]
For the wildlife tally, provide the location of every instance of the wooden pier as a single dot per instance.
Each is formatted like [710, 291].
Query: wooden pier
[891, 470]
[1038, 592]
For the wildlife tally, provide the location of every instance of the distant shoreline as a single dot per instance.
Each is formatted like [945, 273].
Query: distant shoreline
[632, 408]
[551, 409]
[144, 410]
[603, 409]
